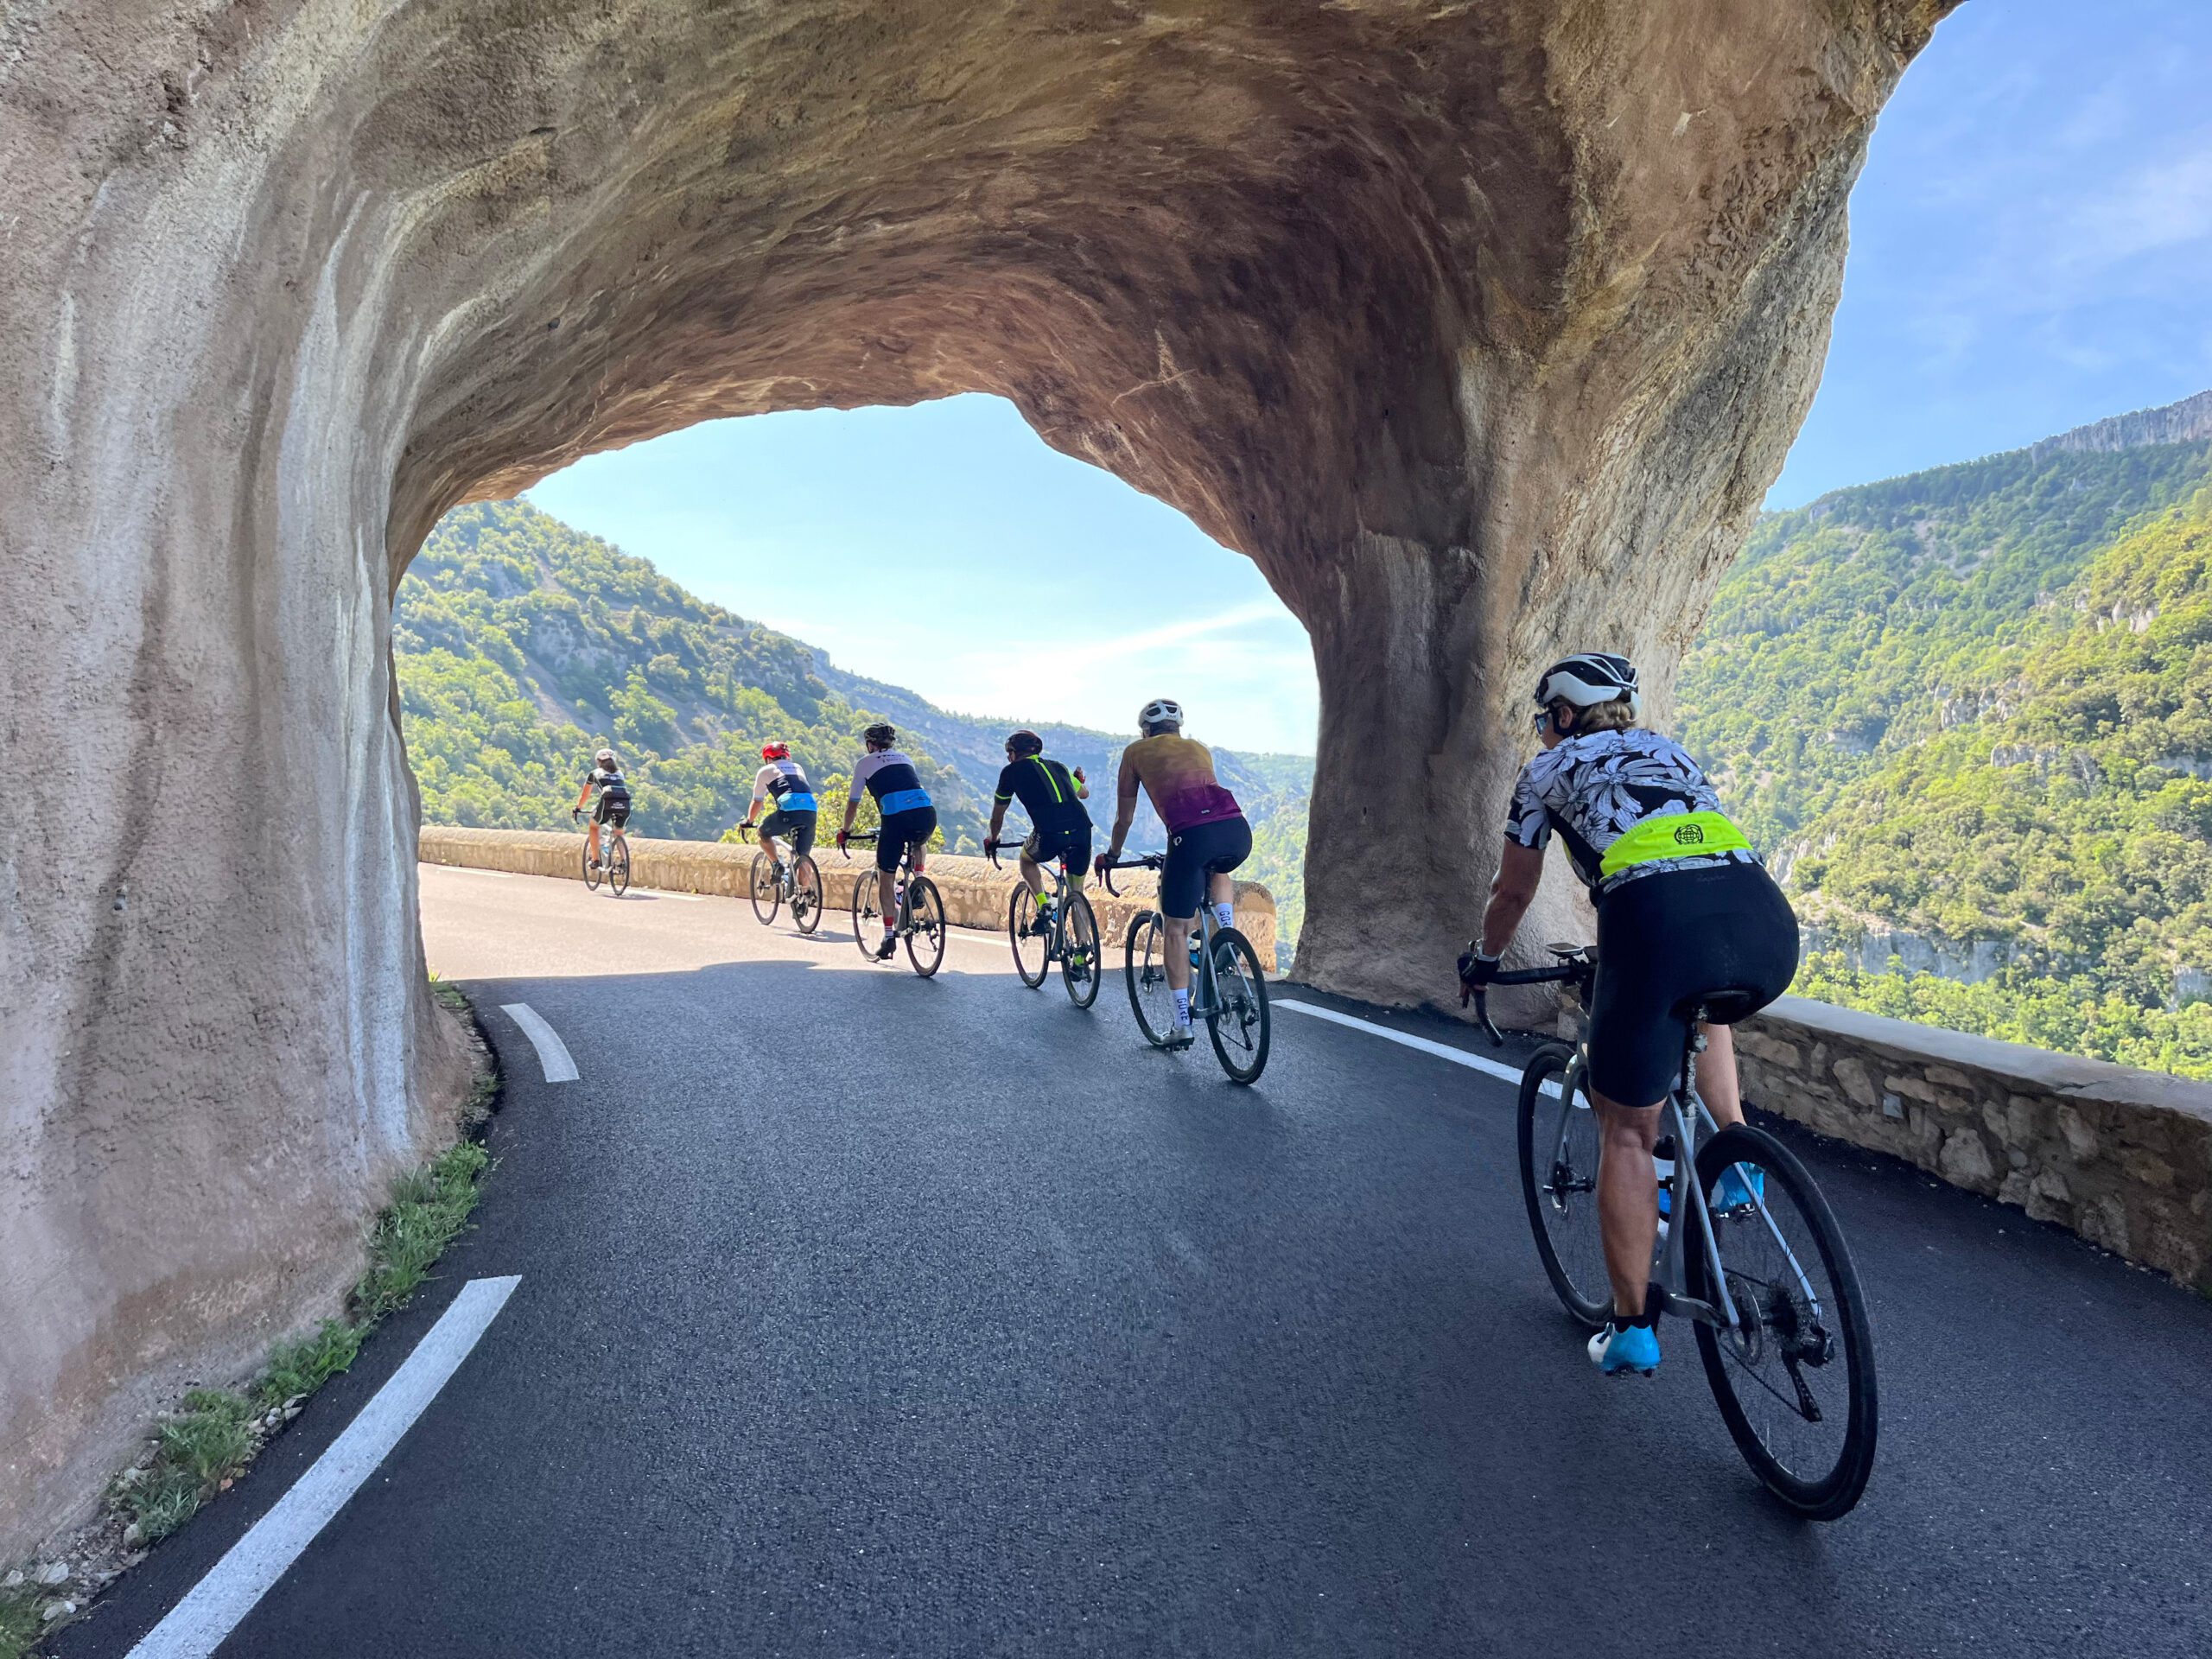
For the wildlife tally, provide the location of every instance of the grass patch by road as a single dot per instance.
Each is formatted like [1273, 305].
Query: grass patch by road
[200, 1449]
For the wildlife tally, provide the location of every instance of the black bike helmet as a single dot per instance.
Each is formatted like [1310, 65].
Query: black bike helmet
[1589, 678]
[1022, 744]
[883, 734]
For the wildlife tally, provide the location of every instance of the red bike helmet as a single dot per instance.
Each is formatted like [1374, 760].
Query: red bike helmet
[775, 750]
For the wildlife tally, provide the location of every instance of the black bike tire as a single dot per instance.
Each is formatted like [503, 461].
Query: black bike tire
[1138, 923]
[1553, 1058]
[762, 870]
[867, 900]
[591, 876]
[1019, 907]
[806, 882]
[1837, 1493]
[617, 867]
[923, 899]
[1079, 921]
[1236, 943]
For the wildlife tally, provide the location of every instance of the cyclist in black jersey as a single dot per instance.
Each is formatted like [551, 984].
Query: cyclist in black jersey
[908, 818]
[613, 805]
[1059, 827]
[1685, 908]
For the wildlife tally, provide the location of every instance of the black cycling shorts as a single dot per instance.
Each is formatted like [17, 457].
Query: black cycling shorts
[900, 831]
[1068, 844]
[797, 828]
[613, 807]
[1673, 935]
[1215, 846]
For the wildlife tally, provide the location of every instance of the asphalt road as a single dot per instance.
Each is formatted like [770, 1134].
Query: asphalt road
[861, 1315]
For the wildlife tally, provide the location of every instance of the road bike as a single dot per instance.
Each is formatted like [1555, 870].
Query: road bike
[919, 909]
[614, 857]
[1758, 1264]
[1071, 939]
[1228, 991]
[794, 881]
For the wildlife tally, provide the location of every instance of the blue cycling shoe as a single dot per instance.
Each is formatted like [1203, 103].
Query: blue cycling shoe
[1621, 1348]
[1731, 1191]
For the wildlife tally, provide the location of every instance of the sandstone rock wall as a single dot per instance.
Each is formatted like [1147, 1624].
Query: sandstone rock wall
[1482, 330]
[974, 894]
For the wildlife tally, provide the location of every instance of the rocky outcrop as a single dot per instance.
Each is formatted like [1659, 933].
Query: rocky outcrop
[1480, 328]
[2189, 421]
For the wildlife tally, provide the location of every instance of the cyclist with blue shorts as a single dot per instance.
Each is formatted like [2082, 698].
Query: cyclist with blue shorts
[908, 818]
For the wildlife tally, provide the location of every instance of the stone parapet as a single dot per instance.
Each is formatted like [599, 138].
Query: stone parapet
[975, 895]
[2122, 1157]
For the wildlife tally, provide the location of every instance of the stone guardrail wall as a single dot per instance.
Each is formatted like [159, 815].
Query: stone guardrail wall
[2121, 1157]
[975, 895]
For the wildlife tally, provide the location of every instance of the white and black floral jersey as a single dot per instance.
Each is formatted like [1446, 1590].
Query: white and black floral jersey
[1595, 788]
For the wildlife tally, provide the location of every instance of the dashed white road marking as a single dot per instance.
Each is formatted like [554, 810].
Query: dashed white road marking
[196, 1626]
[552, 1052]
[1442, 1051]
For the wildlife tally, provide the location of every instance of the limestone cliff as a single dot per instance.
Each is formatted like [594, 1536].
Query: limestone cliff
[1480, 328]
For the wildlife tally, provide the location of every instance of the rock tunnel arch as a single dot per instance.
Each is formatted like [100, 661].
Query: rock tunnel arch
[1477, 327]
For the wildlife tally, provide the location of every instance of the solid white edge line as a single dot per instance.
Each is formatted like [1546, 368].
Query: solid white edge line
[1442, 1051]
[470, 869]
[552, 1052]
[196, 1626]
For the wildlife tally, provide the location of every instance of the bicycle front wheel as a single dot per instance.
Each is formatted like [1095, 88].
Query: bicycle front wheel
[1794, 1378]
[1238, 1024]
[1031, 953]
[767, 897]
[591, 870]
[1559, 1181]
[925, 926]
[868, 912]
[1079, 951]
[1145, 969]
[806, 893]
[618, 867]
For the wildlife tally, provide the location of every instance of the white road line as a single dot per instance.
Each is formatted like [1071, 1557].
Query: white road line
[1442, 1051]
[552, 1052]
[680, 898]
[196, 1626]
[465, 869]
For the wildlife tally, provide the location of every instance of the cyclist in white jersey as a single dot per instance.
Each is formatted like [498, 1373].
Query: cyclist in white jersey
[782, 780]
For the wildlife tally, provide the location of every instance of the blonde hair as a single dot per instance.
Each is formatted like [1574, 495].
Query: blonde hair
[1614, 716]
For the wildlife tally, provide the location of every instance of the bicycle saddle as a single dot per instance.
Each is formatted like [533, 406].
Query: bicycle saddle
[1726, 1007]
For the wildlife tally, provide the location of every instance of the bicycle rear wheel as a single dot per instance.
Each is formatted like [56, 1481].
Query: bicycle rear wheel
[767, 897]
[591, 870]
[806, 893]
[618, 867]
[925, 926]
[1794, 1381]
[1079, 951]
[1031, 952]
[868, 913]
[1558, 1181]
[1145, 969]
[1239, 1025]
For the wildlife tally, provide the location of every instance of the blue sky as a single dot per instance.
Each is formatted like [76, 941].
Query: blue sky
[2031, 242]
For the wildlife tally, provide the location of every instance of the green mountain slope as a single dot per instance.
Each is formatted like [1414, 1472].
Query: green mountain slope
[522, 644]
[1970, 711]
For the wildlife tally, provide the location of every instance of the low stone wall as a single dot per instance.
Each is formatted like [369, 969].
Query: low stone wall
[975, 895]
[2122, 1157]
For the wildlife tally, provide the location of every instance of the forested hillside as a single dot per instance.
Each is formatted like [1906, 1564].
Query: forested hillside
[522, 644]
[1973, 708]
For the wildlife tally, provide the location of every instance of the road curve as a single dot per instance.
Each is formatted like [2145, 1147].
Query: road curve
[862, 1314]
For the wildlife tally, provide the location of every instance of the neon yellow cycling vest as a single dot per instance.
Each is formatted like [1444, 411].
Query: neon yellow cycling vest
[1672, 835]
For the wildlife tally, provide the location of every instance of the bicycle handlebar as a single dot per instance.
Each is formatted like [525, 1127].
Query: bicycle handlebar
[1141, 862]
[1576, 969]
[865, 837]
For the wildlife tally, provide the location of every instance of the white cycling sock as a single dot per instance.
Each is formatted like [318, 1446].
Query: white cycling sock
[1226, 914]
[1182, 1007]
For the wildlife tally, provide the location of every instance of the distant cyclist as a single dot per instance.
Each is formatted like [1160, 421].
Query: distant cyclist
[1059, 825]
[1207, 837]
[604, 779]
[908, 818]
[782, 780]
[1684, 907]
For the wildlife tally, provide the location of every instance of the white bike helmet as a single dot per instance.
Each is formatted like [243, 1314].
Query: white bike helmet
[605, 761]
[1589, 678]
[1160, 711]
